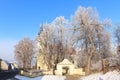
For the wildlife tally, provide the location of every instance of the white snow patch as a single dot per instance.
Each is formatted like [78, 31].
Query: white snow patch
[52, 77]
[92, 77]
[46, 77]
[111, 75]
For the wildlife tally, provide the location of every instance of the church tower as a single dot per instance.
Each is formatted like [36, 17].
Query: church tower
[41, 65]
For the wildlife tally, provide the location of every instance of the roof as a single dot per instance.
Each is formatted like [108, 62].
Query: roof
[65, 62]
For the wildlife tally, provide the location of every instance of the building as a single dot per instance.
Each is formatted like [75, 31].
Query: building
[66, 67]
[41, 62]
[41, 65]
[4, 65]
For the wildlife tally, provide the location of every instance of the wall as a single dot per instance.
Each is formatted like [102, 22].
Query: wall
[72, 70]
[4, 65]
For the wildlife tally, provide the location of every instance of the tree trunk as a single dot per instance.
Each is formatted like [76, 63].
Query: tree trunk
[88, 66]
[89, 62]
[90, 56]
[24, 64]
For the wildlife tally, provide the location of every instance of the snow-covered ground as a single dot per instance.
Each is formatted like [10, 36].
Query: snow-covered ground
[46, 77]
[111, 75]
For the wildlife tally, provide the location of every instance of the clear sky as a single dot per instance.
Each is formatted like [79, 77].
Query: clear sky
[22, 18]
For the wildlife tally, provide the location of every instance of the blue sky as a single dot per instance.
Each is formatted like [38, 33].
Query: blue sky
[22, 18]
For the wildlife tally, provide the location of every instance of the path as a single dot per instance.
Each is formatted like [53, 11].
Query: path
[72, 77]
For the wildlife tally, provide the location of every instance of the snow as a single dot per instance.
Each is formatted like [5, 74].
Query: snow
[27, 78]
[92, 77]
[111, 75]
[46, 77]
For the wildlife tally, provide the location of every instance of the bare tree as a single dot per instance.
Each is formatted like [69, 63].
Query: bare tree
[88, 31]
[24, 52]
[46, 42]
[55, 42]
[85, 31]
[117, 35]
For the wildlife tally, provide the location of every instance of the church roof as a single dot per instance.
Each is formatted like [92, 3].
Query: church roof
[65, 62]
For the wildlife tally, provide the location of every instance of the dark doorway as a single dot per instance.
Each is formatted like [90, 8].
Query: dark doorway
[65, 70]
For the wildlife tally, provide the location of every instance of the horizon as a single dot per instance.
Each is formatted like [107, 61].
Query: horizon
[21, 19]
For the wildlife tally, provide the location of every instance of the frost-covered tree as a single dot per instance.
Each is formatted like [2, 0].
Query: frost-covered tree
[90, 34]
[117, 35]
[24, 53]
[85, 31]
[55, 42]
